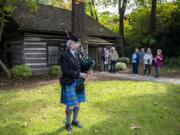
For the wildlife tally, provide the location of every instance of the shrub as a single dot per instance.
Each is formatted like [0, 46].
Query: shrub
[121, 66]
[54, 71]
[124, 60]
[21, 72]
[173, 61]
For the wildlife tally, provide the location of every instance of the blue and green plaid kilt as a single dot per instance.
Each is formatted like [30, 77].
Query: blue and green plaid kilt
[70, 97]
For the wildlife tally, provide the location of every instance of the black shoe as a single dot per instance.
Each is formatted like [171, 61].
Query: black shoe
[77, 123]
[69, 127]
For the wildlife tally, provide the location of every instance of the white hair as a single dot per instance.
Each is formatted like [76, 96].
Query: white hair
[112, 48]
[69, 42]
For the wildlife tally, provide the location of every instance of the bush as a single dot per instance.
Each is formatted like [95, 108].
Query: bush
[21, 72]
[121, 66]
[54, 71]
[124, 60]
[173, 61]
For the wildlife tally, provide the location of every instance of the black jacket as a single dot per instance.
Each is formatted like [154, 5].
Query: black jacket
[71, 66]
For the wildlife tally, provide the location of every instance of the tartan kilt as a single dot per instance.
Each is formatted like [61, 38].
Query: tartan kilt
[70, 97]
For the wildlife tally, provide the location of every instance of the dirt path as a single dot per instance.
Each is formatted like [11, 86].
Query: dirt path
[140, 78]
[6, 84]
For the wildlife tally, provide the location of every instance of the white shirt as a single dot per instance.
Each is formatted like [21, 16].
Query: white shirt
[73, 52]
[106, 58]
[148, 58]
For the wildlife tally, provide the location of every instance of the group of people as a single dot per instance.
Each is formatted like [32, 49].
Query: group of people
[73, 75]
[142, 60]
[109, 59]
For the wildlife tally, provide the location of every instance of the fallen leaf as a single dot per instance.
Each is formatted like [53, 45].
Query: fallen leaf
[24, 125]
[155, 103]
[135, 126]
[95, 130]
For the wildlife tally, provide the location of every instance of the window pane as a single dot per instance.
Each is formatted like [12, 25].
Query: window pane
[53, 55]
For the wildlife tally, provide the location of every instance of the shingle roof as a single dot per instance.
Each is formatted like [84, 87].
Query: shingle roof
[48, 18]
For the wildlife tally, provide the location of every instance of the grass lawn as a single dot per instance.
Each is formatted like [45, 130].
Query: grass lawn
[171, 71]
[113, 108]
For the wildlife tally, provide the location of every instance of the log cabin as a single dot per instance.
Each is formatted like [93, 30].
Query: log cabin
[37, 38]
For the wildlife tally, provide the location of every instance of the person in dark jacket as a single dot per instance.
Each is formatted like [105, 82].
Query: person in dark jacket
[135, 62]
[72, 77]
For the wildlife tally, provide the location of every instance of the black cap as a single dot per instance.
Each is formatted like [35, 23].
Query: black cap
[73, 38]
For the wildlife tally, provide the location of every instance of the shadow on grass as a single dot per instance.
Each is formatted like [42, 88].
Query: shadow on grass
[154, 114]
[56, 132]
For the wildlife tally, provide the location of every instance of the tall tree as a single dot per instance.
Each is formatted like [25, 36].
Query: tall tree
[90, 5]
[122, 4]
[2, 23]
[95, 11]
[122, 9]
[78, 21]
[153, 16]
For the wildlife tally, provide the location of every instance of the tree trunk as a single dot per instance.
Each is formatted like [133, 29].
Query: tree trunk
[78, 21]
[122, 8]
[1, 32]
[153, 16]
[91, 10]
[5, 69]
[95, 12]
[2, 21]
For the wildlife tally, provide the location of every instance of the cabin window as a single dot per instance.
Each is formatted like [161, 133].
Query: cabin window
[53, 55]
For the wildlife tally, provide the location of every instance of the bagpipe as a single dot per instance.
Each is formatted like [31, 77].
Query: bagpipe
[86, 62]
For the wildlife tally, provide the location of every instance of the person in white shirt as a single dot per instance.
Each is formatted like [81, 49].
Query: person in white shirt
[106, 59]
[113, 57]
[148, 59]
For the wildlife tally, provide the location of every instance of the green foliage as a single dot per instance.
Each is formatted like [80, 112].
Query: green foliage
[137, 32]
[137, 27]
[120, 66]
[54, 71]
[21, 72]
[6, 8]
[110, 21]
[66, 4]
[124, 60]
[173, 62]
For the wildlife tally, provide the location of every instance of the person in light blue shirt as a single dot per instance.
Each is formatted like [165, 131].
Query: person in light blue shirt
[135, 62]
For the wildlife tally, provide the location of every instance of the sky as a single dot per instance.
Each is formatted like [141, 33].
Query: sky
[111, 9]
[114, 10]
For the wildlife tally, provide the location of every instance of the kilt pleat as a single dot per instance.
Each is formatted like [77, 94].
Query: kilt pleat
[70, 97]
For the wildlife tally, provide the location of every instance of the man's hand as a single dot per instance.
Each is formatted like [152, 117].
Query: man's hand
[83, 75]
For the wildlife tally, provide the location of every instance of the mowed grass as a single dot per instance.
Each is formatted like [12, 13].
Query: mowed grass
[171, 71]
[113, 108]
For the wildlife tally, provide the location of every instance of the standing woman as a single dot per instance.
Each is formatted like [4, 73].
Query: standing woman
[148, 58]
[158, 62]
[113, 57]
[141, 61]
[72, 83]
[106, 59]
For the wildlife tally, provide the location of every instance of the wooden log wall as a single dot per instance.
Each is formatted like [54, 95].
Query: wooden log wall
[35, 50]
[17, 52]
